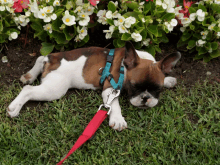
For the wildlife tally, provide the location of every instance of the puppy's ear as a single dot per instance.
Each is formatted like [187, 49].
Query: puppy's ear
[131, 57]
[168, 62]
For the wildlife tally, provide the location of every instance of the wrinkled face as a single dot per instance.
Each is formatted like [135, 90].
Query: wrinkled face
[144, 84]
[145, 77]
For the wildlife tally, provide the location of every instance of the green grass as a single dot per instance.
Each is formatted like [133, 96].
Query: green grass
[183, 129]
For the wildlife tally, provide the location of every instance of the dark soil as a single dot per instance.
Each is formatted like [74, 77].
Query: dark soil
[22, 53]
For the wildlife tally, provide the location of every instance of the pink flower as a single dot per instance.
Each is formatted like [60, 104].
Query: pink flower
[93, 2]
[186, 5]
[19, 5]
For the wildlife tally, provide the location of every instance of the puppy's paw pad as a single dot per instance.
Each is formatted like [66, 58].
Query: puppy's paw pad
[26, 78]
[170, 82]
[118, 123]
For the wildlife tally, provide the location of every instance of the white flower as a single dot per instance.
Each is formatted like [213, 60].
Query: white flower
[22, 20]
[116, 14]
[48, 9]
[109, 32]
[84, 19]
[170, 10]
[173, 22]
[47, 19]
[129, 21]
[122, 29]
[200, 14]
[109, 14]
[56, 3]
[204, 34]
[27, 13]
[47, 1]
[177, 9]
[41, 14]
[210, 50]
[53, 16]
[146, 42]
[158, 2]
[90, 10]
[2, 8]
[101, 17]
[79, 2]
[218, 34]
[136, 36]
[192, 16]
[200, 43]
[164, 6]
[121, 20]
[48, 27]
[68, 19]
[82, 32]
[185, 21]
[210, 27]
[217, 1]
[13, 35]
[180, 16]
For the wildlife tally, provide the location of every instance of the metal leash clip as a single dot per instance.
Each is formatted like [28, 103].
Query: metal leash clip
[111, 96]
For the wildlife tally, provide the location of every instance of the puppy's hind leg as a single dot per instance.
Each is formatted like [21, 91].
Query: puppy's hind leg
[49, 90]
[31, 75]
[170, 82]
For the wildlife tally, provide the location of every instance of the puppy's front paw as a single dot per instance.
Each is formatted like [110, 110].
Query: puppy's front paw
[117, 122]
[170, 82]
[26, 78]
[12, 113]
[13, 109]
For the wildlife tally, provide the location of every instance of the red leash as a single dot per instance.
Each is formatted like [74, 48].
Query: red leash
[88, 132]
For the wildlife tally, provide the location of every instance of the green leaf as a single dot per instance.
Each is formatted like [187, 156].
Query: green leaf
[67, 33]
[215, 53]
[139, 29]
[168, 16]
[2, 38]
[110, 21]
[131, 14]
[7, 24]
[37, 26]
[1, 26]
[59, 12]
[111, 7]
[42, 35]
[192, 10]
[202, 7]
[147, 7]
[57, 24]
[153, 30]
[214, 45]
[215, 8]
[157, 48]
[126, 37]
[186, 36]
[202, 50]
[46, 48]
[207, 58]
[150, 49]
[191, 44]
[132, 5]
[120, 43]
[164, 38]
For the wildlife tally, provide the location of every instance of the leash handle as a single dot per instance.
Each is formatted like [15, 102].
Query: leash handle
[88, 132]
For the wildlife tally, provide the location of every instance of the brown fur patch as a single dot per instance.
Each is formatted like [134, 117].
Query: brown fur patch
[27, 76]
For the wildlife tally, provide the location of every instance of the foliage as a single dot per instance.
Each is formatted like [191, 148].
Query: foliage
[145, 23]
[201, 29]
[63, 24]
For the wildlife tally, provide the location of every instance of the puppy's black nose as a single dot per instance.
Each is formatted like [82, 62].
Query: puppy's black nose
[145, 98]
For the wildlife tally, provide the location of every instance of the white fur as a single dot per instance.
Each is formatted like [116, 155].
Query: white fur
[170, 82]
[138, 100]
[145, 55]
[116, 120]
[53, 86]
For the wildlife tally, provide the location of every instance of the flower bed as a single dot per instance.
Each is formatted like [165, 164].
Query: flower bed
[63, 24]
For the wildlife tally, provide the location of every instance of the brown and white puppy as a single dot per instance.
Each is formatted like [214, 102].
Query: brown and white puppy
[144, 78]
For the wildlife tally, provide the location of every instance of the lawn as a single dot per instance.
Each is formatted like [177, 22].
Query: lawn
[183, 129]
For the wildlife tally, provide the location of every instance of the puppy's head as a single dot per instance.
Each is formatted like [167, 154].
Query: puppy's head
[145, 78]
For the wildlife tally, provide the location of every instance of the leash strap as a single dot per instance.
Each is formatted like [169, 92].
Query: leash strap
[88, 132]
[106, 72]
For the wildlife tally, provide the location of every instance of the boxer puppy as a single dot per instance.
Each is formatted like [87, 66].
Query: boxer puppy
[79, 68]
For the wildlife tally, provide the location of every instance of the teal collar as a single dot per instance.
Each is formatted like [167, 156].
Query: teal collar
[109, 76]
